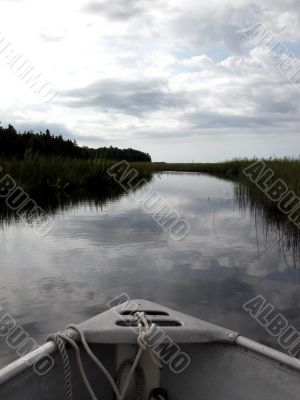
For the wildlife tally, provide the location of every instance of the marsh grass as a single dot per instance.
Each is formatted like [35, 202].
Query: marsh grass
[54, 174]
[58, 184]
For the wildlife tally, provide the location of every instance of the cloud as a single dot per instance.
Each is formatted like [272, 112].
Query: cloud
[212, 120]
[41, 126]
[133, 97]
[51, 38]
[204, 26]
[116, 9]
[167, 71]
[242, 94]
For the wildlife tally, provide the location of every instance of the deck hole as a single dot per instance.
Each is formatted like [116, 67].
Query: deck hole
[130, 323]
[129, 312]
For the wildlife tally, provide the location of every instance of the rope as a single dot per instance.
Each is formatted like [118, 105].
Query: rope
[79, 363]
[60, 343]
[60, 339]
[137, 391]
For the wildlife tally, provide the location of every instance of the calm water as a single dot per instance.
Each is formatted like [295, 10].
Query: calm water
[94, 254]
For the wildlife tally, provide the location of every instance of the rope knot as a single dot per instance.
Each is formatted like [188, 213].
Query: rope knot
[145, 330]
[61, 339]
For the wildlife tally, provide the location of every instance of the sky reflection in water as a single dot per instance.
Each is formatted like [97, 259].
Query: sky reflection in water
[93, 255]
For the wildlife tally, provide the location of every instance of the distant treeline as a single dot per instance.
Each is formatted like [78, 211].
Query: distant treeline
[17, 145]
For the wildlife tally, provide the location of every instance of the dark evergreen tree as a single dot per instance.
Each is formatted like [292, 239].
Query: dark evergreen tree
[16, 145]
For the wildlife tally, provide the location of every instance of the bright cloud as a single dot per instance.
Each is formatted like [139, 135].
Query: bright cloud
[177, 79]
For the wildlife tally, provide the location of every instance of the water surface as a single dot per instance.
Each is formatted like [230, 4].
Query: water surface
[95, 253]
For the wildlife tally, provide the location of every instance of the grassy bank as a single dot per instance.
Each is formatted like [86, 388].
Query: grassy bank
[40, 173]
[55, 174]
[57, 183]
[47, 178]
[286, 169]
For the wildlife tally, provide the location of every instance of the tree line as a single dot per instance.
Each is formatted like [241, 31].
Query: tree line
[18, 145]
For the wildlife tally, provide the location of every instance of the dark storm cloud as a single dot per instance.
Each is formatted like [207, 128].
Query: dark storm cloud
[116, 9]
[127, 97]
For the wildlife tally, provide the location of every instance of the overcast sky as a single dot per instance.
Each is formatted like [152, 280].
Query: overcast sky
[174, 78]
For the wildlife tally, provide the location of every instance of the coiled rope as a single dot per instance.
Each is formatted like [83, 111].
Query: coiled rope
[61, 339]
[135, 392]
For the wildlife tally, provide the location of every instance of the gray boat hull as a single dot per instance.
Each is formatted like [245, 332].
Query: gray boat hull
[218, 368]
